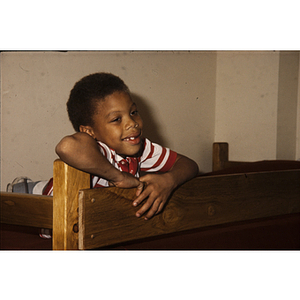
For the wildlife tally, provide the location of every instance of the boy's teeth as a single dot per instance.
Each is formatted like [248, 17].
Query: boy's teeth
[130, 139]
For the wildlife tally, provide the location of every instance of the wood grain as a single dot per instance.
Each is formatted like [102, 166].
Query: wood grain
[26, 210]
[67, 181]
[105, 219]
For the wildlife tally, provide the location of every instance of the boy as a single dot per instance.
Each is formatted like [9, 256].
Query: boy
[108, 143]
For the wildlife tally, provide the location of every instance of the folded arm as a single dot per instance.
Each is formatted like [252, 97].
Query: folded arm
[81, 151]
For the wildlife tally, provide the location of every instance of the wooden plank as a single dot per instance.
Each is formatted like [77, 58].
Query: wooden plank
[67, 182]
[201, 202]
[113, 209]
[26, 209]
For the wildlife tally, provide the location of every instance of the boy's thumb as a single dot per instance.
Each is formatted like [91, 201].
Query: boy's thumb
[140, 188]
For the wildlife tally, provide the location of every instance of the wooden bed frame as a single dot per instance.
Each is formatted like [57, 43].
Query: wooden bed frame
[104, 218]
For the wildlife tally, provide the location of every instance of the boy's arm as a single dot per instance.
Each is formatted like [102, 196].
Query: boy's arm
[160, 186]
[81, 151]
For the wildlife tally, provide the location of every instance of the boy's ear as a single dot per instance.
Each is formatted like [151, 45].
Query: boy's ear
[87, 129]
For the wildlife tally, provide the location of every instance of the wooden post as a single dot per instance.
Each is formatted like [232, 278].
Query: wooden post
[67, 181]
[220, 156]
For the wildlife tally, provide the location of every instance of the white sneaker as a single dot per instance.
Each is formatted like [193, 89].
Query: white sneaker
[45, 234]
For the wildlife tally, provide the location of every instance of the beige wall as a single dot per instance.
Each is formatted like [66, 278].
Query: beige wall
[287, 105]
[246, 103]
[175, 93]
[187, 99]
[257, 104]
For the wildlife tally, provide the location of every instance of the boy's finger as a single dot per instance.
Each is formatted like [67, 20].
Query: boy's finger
[155, 209]
[150, 206]
[140, 188]
[145, 207]
[143, 195]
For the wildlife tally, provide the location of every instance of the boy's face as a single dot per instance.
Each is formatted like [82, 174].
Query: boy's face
[117, 124]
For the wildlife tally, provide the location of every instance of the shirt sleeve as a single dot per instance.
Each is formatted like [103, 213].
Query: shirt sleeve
[106, 152]
[156, 158]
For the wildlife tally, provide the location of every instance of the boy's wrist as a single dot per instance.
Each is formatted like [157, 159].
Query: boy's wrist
[116, 177]
[171, 179]
[125, 180]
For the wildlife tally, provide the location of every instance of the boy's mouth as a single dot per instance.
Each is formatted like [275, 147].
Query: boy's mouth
[134, 140]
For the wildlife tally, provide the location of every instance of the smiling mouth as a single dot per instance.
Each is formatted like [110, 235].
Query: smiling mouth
[133, 139]
[130, 139]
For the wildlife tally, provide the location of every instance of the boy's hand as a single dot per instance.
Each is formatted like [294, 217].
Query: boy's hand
[157, 191]
[160, 186]
[126, 181]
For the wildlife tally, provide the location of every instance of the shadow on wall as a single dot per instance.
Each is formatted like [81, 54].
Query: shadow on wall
[150, 128]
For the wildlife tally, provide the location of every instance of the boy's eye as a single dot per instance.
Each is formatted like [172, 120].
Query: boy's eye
[135, 112]
[116, 119]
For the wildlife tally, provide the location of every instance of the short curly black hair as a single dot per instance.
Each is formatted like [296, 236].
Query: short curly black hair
[87, 93]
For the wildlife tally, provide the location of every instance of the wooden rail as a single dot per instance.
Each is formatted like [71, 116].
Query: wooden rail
[106, 216]
[23, 209]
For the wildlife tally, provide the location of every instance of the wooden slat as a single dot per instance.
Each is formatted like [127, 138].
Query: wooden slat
[203, 201]
[26, 209]
[66, 184]
[102, 209]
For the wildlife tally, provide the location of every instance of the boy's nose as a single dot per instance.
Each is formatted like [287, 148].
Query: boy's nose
[131, 124]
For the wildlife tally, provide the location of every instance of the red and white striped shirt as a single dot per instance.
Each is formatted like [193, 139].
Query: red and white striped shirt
[154, 158]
